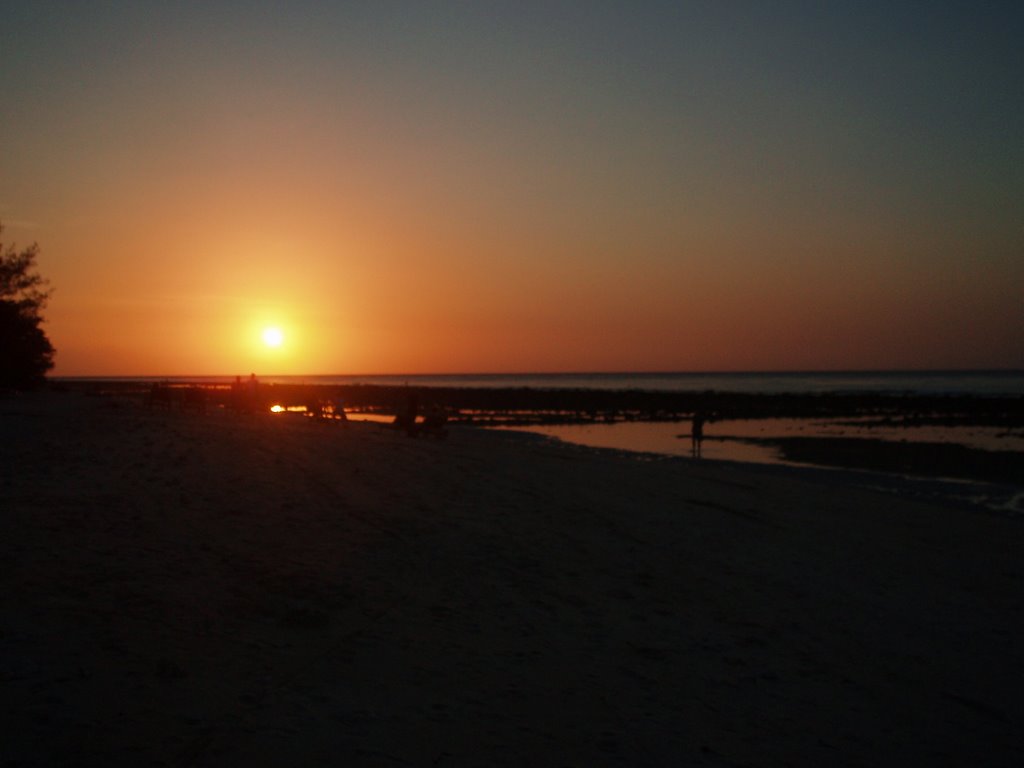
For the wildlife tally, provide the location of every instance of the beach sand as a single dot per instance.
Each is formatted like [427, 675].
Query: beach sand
[207, 590]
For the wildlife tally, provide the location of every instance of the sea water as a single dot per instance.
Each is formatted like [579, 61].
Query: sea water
[989, 383]
[982, 383]
[748, 441]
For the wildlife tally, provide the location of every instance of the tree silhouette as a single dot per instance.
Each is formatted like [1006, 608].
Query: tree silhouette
[25, 352]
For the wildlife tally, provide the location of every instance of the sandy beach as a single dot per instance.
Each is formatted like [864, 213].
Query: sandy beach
[224, 589]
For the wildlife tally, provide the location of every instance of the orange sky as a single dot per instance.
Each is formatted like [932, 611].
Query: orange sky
[457, 192]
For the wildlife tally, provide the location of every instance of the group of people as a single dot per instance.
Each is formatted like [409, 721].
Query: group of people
[433, 423]
[245, 394]
[326, 410]
[246, 398]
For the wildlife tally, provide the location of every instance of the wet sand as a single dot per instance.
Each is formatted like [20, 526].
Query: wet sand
[186, 589]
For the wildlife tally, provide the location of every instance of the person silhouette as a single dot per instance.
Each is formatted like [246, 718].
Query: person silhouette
[697, 432]
[252, 393]
[406, 418]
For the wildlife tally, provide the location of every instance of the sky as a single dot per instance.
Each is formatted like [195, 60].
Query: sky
[518, 187]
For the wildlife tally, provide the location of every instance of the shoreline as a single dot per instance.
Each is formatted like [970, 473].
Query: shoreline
[526, 408]
[986, 496]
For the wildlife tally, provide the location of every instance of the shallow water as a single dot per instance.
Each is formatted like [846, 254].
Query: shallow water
[732, 440]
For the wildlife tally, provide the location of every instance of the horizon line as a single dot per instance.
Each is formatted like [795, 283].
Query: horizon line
[491, 374]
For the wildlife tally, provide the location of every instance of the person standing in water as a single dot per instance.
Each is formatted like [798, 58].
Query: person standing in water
[697, 432]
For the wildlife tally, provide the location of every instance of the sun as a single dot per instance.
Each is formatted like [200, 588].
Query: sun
[273, 337]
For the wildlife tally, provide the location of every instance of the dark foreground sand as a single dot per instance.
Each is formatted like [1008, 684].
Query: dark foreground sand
[219, 590]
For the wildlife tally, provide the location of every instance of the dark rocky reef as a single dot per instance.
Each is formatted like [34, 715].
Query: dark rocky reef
[524, 405]
[906, 457]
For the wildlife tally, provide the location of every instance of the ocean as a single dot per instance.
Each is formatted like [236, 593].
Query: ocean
[981, 383]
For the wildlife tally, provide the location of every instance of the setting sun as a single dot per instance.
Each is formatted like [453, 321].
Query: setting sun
[273, 337]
